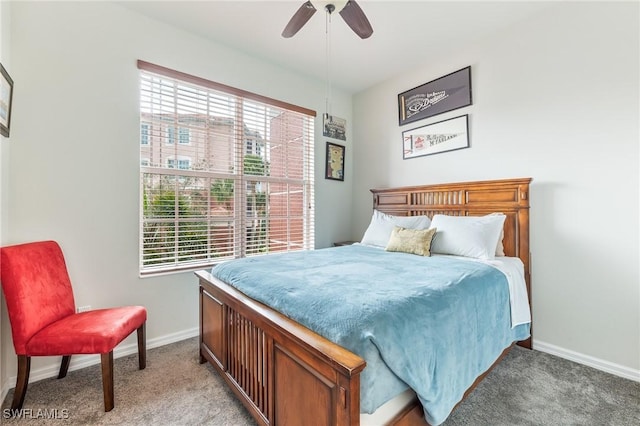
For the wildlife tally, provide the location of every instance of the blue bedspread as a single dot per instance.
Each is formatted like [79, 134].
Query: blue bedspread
[431, 323]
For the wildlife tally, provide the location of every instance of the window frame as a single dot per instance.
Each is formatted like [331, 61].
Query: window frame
[185, 138]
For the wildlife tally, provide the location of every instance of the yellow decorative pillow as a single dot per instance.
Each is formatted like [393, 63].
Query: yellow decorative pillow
[414, 241]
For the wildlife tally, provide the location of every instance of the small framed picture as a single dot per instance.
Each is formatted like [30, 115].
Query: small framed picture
[6, 95]
[334, 127]
[434, 138]
[335, 162]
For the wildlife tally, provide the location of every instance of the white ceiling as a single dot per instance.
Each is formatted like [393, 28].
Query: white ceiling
[405, 33]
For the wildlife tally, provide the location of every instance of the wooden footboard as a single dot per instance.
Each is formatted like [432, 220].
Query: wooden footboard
[282, 372]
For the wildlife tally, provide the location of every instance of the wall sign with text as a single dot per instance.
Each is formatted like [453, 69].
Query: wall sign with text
[444, 94]
[446, 135]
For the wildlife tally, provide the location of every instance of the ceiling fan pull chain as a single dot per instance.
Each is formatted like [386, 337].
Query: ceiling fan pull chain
[328, 53]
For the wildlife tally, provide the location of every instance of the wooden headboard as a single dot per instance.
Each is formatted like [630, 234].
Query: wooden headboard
[508, 196]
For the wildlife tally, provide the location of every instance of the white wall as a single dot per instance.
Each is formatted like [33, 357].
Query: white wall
[73, 166]
[555, 98]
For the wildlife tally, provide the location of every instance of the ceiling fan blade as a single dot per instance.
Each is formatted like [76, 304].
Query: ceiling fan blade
[298, 20]
[356, 19]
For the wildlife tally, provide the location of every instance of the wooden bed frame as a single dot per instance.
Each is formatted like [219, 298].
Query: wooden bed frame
[286, 374]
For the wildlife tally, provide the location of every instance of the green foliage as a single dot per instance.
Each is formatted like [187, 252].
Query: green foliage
[257, 242]
[254, 165]
[222, 191]
[163, 204]
[161, 233]
[165, 227]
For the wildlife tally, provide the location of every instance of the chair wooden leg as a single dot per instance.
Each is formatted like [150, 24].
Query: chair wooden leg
[107, 380]
[64, 366]
[142, 346]
[24, 366]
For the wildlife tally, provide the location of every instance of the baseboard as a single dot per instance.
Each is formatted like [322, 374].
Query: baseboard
[599, 364]
[82, 361]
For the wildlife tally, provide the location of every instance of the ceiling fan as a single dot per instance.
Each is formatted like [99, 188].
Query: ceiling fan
[350, 12]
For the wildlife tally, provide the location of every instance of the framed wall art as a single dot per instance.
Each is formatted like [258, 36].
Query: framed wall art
[6, 96]
[334, 127]
[434, 138]
[335, 162]
[444, 94]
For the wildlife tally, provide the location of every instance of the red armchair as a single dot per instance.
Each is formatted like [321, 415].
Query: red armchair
[44, 321]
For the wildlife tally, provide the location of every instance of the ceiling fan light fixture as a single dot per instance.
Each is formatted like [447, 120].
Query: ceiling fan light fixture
[337, 6]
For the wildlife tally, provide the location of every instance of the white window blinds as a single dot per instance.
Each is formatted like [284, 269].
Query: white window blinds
[223, 173]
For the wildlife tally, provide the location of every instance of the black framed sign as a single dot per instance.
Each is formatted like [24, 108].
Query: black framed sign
[6, 96]
[334, 166]
[434, 138]
[443, 94]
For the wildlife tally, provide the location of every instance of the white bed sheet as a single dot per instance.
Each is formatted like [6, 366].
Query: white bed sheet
[387, 411]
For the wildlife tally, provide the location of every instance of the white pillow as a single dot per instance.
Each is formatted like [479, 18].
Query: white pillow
[381, 226]
[467, 236]
[500, 246]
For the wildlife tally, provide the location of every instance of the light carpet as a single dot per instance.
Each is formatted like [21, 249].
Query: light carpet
[526, 388]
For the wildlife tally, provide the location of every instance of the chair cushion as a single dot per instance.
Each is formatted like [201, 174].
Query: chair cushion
[91, 332]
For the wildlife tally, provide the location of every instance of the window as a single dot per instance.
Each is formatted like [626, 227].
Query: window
[238, 182]
[144, 134]
[171, 135]
[183, 135]
[181, 163]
